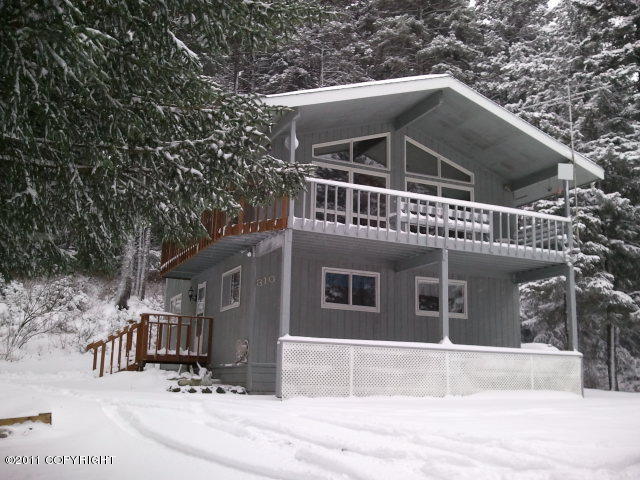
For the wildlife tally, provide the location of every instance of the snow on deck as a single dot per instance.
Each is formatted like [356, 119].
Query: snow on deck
[152, 433]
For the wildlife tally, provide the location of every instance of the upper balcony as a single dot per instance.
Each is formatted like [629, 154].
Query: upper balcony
[399, 217]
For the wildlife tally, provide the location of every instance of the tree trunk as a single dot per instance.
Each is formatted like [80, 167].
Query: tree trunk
[126, 272]
[611, 351]
[144, 261]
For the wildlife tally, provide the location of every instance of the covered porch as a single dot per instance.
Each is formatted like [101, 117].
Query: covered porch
[443, 321]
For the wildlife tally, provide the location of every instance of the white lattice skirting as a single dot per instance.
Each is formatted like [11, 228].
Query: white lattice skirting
[320, 367]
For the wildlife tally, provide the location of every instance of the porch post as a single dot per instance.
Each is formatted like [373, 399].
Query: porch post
[572, 320]
[285, 303]
[443, 290]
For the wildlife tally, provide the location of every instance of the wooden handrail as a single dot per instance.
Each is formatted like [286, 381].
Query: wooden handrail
[134, 342]
[250, 219]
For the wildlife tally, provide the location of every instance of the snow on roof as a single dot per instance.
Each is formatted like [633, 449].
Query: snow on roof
[418, 83]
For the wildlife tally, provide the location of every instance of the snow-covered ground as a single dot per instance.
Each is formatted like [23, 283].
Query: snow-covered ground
[152, 433]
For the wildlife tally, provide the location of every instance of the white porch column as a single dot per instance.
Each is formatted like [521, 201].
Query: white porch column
[443, 290]
[285, 303]
[572, 318]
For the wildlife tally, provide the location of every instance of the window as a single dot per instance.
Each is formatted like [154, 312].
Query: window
[371, 151]
[200, 303]
[350, 290]
[420, 160]
[175, 304]
[428, 297]
[230, 289]
[426, 187]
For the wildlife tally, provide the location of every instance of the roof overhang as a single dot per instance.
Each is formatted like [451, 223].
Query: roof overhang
[524, 156]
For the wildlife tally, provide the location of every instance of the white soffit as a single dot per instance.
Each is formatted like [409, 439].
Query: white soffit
[424, 83]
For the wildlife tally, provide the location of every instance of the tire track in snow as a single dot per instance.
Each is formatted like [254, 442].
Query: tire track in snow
[496, 454]
[326, 458]
[240, 464]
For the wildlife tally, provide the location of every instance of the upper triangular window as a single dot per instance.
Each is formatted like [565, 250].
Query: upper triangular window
[420, 160]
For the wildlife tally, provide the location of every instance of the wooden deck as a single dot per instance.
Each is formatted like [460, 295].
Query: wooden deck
[220, 225]
[156, 338]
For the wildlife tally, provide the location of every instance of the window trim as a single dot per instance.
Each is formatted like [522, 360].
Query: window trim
[351, 170]
[350, 141]
[202, 302]
[224, 308]
[436, 281]
[171, 301]
[439, 186]
[441, 158]
[349, 306]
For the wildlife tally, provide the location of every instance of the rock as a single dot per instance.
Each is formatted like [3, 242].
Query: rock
[206, 390]
[192, 390]
[183, 382]
[195, 382]
[173, 389]
[220, 390]
[4, 432]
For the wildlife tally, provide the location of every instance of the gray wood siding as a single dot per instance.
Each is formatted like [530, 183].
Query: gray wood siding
[232, 324]
[173, 287]
[493, 318]
[266, 314]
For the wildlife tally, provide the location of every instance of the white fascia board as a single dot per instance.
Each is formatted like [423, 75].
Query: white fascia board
[425, 83]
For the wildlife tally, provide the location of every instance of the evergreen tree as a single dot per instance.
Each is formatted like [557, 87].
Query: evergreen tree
[106, 119]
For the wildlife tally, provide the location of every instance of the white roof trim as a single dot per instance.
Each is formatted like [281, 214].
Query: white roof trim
[426, 82]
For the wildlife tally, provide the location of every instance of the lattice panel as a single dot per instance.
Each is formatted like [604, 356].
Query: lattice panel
[315, 370]
[398, 371]
[472, 372]
[326, 369]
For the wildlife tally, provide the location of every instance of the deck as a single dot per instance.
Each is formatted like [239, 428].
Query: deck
[156, 338]
[380, 214]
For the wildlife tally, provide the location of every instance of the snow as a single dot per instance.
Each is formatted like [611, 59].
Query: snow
[447, 344]
[153, 433]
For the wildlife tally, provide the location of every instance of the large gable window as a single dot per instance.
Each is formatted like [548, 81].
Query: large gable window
[350, 290]
[370, 151]
[424, 162]
[428, 297]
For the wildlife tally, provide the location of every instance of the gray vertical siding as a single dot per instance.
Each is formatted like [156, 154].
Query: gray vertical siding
[173, 287]
[492, 306]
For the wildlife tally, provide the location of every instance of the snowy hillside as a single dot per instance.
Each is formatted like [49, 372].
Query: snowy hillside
[153, 433]
[41, 317]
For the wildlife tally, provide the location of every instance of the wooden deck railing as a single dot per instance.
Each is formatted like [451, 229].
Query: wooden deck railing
[156, 338]
[219, 225]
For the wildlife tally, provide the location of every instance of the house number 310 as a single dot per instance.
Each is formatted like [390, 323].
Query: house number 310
[266, 279]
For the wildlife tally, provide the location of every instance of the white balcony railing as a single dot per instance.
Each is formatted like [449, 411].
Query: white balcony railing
[357, 210]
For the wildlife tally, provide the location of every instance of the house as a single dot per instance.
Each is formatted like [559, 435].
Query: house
[396, 270]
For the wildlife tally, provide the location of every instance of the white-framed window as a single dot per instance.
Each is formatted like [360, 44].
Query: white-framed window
[372, 151]
[436, 174]
[336, 198]
[175, 304]
[201, 299]
[439, 189]
[428, 297]
[350, 289]
[230, 289]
